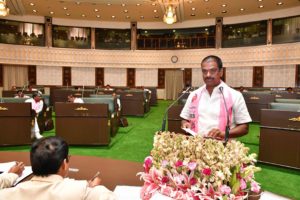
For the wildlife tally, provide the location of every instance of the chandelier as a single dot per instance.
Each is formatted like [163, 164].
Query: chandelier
[170, 15]
[4, 10]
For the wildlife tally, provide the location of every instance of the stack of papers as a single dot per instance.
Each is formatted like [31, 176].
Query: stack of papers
[4, 168]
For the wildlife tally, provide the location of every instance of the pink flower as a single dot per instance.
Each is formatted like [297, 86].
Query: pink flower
[206, 171]
[255, 187]
[165, 179]
[147, 163]
[192, 166]
[193, 181]
[164, 163]
[179, 163]
[243, 184]
[225, 189]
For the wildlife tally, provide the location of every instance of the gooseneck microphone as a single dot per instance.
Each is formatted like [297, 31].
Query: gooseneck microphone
[227, 129]
[163, 126]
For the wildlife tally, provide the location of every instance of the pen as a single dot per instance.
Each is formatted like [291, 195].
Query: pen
[97, 174]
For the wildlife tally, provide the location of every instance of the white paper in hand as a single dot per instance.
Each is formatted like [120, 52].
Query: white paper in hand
[190, 131]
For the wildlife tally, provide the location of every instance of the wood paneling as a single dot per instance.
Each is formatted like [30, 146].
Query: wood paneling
[99, 74]
[32, 74]
[258, 77]
[187, 76]
[161, 78]
[67, 76]
[130, 77]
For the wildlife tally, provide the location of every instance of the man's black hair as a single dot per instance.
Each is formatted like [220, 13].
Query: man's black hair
[47, 155]
[214, 58]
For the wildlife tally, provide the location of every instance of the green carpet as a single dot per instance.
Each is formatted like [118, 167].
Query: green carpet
[134, 143]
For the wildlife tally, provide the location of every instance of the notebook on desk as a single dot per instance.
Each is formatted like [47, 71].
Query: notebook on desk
[4, 168]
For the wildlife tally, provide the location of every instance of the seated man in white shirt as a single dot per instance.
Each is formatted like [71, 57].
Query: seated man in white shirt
[37, 105]
[73, 99]
[8, 179]
[49, 159]
[208, 108]
[20, 94]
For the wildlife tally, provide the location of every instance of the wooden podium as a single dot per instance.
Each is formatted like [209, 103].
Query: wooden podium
[83, 124]
[174, 119]
[280, 138]
[15, 123]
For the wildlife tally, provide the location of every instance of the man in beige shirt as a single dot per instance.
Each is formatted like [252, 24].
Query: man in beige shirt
[50, 164]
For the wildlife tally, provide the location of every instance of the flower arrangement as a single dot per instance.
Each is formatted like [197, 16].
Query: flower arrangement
[187, 167]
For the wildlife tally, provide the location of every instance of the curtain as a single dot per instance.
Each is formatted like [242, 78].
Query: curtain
[14, 75]
[173, 83]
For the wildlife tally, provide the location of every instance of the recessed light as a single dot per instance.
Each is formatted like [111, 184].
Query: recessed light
[153, 4]
[51, 12]
[261, 6]
[138, 4]
[208, 13]
[193, 8]
[242, 9]
[68, 14]
[77, 2]
[142, 17]
[98, 16]
[155, 11]
[32, 4]
[279, 3]
[156, 16]
[224, 5]
[193, 15]
[206, 0]
[65, 8]
[224, 11]
[123, 4]
[34, 11]
[83, 15]
[125, 11]
[96, 10]
[190, 1]
[206, 29]
[127, 17]
[260, 0]
[113, 17]
[109, 4]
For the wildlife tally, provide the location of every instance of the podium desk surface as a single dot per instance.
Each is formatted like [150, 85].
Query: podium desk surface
[112, 172]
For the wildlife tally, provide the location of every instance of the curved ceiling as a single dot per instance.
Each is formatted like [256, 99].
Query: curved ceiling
[144, 10]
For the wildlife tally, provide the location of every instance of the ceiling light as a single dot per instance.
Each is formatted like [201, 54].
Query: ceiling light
[109, 4]
[279, 3]
[138, 4]
[127, 17]
[208, 13]
[32, 4]
[206, 0]
[34, 11]
[125, 11]
[242, 9]
[98, 16]
[170, 15]
[260, 0]
[123, 4]
[224, 11]
[83, 15]
[156, 16]
[77, 2]
[224, 5]
[4, 10]
[68, 14]
[65, 8]
[155, 11]
[261, 6]
[190, 1]
[193, 8]
[51, 12]
[113, 17]
[193, 15]
[142, 17]
[153, 4]
[96, 10]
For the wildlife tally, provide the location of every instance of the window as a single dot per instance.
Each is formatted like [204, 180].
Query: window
[113, 38]
[286, 30]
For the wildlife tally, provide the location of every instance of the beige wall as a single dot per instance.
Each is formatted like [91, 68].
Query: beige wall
[48, 75]
[239, 76]
[83, 76]
[115, 76]
[280, 76]
[146, 77]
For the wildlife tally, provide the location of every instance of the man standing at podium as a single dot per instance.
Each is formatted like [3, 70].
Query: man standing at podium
[208, 108]
[36, 105]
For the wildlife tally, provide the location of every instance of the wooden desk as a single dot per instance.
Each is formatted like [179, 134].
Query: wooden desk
[112, 172]
[279, 138]
[83, 124]
[15, 123]
[174, 120]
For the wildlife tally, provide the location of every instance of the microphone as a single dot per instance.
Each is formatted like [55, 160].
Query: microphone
[163, 126]
[227, 129]
[97, 90]
[82, 92]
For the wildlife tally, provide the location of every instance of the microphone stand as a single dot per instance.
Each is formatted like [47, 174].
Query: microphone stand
[227, 129]
[82, 92]
[163, 126]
